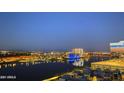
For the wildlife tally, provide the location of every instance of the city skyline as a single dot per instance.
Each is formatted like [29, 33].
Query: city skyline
[60, 31]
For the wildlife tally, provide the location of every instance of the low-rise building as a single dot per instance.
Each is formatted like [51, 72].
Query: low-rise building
[109, 64]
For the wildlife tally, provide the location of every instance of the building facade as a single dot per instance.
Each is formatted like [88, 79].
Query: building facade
[117, 47]
[110, 64]
[78, 51]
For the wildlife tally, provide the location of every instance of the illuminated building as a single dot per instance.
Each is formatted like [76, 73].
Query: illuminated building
[75, 55]
[110, 64]
[78, 51]
[117, 47]
[73, 58]
[4, 52]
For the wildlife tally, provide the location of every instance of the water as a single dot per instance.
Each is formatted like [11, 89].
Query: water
[37, 71]
[32, 71]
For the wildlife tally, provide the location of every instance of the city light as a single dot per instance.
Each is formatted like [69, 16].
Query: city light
[61, 46]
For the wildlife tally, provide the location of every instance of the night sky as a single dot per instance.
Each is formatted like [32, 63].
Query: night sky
[60, 31]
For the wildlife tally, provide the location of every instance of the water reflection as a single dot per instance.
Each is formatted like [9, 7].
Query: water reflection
[33, 63]
[6, 66]
[14, 65]
[22, 63]
[27, 64]
[79, 63]
[9, 65]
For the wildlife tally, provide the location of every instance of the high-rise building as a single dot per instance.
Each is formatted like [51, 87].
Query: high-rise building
[75, 55]
[78, 51]
[117, 47]
[73, 58]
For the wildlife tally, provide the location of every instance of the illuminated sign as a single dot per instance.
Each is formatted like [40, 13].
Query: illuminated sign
[73, 58]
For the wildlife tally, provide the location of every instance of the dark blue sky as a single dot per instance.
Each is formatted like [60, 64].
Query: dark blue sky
[60, 31]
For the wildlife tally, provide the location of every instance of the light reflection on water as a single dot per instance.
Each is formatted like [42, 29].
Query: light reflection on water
[6, 65]
[36, 70]
[22, 63]
[27, 64]
[79, 62]
[13, 65]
